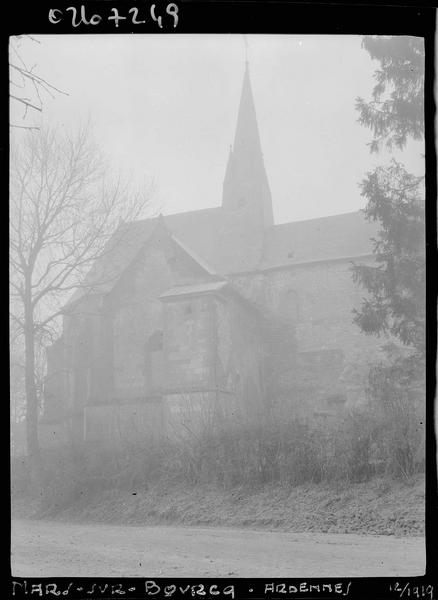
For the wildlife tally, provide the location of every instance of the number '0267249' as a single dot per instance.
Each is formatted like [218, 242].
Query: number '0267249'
[133, 16]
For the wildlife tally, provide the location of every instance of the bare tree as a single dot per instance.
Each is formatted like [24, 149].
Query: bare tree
[63, 212]
[27, 87]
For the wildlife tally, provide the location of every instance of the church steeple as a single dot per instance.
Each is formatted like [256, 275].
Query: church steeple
[246, 184]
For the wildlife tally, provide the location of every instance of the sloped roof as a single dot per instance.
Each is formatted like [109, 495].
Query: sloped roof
[120, 251]
[223, 239]
[225, 243]
[326, 238]
[194, 289]
[200, 261]
[199, 289]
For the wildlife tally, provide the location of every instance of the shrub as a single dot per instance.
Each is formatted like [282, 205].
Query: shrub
[250, 450]
[397, 398]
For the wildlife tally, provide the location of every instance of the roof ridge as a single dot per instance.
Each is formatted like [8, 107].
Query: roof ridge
[194, 256]
[186, 212]
[353, 212]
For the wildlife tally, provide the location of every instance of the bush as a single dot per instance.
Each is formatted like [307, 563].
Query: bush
[397, 399]
[276, 447]
[77, 471]
[251, 450]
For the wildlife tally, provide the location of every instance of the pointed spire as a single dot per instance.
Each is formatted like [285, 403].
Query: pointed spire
[247, 138]
[246, 183]
[245, 41]
[229, 167]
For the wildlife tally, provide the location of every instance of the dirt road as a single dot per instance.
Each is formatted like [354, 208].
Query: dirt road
[49, 549]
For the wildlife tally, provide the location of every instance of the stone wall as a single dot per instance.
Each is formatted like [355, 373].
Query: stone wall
[136, 315]
[313, 345]
[290, 338]
[240, 351]
[213, 362]
[138, 320]
[111, 350]
[189, 344]
[70, 368]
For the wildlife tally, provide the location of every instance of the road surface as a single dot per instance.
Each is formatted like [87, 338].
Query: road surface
[55, 549]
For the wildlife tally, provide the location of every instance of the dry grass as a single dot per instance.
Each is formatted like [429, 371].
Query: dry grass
[248, 457]
[380, 506]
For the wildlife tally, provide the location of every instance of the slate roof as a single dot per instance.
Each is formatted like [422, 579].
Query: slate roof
[227, 242]
[346, 235]
[223, 239]
[220, 241]
[120, 251]
[224, 243]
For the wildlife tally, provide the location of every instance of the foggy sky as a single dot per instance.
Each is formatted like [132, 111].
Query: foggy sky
[166, 107]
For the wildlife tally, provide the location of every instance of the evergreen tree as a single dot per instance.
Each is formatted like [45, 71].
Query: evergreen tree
[395, 112]
[395, 283]
[395, 198]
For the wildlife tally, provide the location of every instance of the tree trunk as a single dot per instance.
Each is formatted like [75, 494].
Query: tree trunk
[32, 409]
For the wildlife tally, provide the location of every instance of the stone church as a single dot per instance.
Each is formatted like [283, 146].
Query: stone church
[212, 312]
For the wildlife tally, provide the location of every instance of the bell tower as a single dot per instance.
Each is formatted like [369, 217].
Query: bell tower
[246, 186]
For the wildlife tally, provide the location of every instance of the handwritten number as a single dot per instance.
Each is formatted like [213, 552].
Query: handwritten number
[158, 19]
[74, 15]
[116, 17]
[52, 16]
[79, 16]
[172, 10]
[408, 592]
[95, 19]
[134, 11]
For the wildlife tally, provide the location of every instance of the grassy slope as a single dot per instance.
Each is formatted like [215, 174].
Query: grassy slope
[379, 506]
